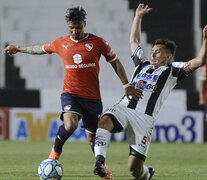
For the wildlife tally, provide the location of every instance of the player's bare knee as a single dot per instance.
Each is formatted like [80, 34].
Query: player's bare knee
[71, 127]
[70, 122]
[106, 123]
[101, 123]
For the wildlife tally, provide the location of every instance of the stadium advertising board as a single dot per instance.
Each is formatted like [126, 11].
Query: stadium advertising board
[4, 123]
[179, 126]
[36, 124]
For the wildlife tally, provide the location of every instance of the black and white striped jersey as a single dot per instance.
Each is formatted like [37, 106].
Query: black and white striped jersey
[156, 83]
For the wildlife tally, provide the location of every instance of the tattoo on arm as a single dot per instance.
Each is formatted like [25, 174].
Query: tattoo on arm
[35, 50]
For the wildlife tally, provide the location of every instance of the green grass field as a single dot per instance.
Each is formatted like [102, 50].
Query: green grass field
[20, 160]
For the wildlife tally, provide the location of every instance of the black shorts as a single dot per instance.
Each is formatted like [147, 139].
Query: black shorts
[87, 109]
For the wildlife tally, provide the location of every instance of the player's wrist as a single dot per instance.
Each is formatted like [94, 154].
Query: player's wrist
[18, 49]
[126, 85]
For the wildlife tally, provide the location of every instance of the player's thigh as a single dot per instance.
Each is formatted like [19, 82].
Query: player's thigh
[92, 110]
[139, 133]
[71, 103]
[118, 113]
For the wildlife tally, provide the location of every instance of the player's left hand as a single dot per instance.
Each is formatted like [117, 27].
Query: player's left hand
[142, 9]
[132, 92]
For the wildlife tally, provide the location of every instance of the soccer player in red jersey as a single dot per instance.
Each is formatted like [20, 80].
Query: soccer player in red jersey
[203, 86]
[80, 53]
[203, 96]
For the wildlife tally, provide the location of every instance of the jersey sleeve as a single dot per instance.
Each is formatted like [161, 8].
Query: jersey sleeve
[178, 70]
[107, 51]
[51, 47]
[138, 56]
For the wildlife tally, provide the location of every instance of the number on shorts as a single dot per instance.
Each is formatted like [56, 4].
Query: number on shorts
[144, 140]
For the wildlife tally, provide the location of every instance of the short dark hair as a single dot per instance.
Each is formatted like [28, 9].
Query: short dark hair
[170, 45]
[76, 14]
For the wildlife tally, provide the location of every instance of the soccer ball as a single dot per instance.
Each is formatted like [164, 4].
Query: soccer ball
[50, 169]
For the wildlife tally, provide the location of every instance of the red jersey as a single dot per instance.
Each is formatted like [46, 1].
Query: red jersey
[204, 77]
[81, 63]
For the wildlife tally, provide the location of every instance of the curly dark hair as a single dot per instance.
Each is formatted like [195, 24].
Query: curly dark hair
[76, 14]
[170, 45]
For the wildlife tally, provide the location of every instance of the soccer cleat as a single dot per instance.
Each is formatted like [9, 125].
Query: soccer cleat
[109, 174]
[99, 168]
[53, 154]
[151, 173]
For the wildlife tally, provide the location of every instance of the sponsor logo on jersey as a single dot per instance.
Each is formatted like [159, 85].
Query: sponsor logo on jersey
[77, 58]
[89, 46]
[80, 66]
[148, 77]
[67, 108]
[143, 85]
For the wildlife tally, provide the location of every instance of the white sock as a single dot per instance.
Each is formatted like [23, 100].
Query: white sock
[145, 173]
[102, 142]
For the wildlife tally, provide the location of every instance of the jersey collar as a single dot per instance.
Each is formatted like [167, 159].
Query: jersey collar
[80, 39]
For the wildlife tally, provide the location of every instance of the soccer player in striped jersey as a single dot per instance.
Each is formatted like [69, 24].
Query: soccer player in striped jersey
[156, 78]
[80, 53]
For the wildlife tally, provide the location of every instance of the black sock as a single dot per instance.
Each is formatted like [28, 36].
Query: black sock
[61, 138]
[100, 159]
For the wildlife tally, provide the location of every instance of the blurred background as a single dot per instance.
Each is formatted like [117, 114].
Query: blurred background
[30, 85]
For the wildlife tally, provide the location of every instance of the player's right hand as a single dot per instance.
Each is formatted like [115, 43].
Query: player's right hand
[132, 92]
[11, 49]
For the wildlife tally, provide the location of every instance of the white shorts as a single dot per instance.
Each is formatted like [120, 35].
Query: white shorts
[139, 127]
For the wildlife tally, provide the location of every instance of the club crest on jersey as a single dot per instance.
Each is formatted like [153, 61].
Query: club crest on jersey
[67, 108]
[89, 46]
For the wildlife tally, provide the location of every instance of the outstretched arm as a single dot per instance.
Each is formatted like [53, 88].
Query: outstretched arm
[135, 39]
[129, 90]
[35, 49]
[201, 59]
